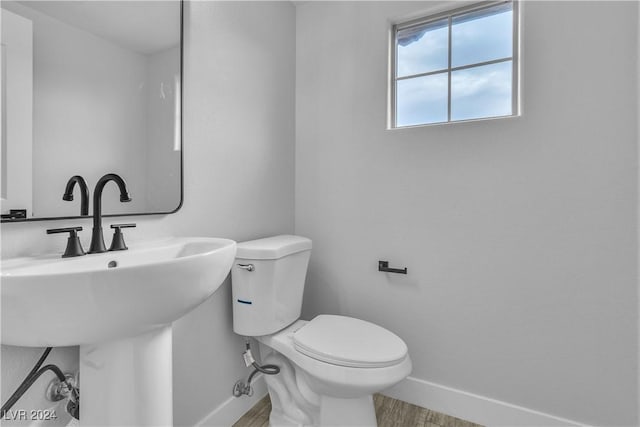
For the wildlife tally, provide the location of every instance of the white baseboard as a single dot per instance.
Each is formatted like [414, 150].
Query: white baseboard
[472, 407]
[233, 408]
[450, 401]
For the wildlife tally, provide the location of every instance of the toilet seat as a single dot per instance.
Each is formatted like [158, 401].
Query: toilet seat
[332, 379]
[350, 342]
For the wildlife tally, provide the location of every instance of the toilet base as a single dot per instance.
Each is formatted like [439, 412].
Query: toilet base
[358, 412]
[293, 403]
[348, 412]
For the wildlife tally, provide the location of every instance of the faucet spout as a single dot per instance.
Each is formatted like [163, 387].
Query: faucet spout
[84, 193]
[97, 239]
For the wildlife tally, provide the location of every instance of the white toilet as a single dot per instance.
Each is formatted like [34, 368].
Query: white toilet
[329, 366]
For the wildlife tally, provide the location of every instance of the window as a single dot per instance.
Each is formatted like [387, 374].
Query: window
[460, 65]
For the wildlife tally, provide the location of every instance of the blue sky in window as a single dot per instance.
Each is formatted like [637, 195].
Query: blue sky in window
[477, 92]
[422, 100]
[481, 91]
[473, 39]
[425, 50]
[481, 39]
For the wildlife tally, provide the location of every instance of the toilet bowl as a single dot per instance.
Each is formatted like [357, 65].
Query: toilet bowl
[331, 365]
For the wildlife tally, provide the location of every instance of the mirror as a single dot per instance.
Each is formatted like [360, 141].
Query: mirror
[90, 88]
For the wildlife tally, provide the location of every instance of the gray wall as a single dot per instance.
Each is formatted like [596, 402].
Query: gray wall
[239, 154]
[519, 234]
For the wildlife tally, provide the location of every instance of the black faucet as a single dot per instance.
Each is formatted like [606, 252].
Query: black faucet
[97, 241]
[84, 193]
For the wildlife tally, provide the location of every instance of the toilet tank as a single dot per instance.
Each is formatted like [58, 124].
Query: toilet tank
[267, 281]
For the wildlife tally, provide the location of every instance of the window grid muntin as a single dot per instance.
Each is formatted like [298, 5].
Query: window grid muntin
[461, 67]
[450, 15]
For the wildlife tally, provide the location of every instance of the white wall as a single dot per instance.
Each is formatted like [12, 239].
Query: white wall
[519, 234]
[17, 109]
[238, 170]
[88, 113]
[638, 210]
[162, 160]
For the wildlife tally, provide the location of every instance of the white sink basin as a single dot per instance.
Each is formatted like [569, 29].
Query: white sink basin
[51, 301]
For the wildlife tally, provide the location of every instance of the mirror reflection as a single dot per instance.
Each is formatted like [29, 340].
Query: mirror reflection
[90, 88]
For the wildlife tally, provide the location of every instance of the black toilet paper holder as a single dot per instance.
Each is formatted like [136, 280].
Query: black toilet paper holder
[384, 266]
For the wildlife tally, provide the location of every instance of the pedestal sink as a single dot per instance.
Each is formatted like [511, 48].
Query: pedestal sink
[118, 307]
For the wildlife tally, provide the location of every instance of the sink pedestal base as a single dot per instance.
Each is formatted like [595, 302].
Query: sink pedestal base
[127, 382]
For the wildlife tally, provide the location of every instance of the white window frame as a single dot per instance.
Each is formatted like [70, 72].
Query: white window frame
[450, 14]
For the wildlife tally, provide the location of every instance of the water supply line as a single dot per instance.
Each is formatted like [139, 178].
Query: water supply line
[73, 407]
[240, 388]
[20, 390]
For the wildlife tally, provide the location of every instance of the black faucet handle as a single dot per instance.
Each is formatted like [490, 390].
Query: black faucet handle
[129, 225]
[117, 243]
[72, 230]
[74, 247]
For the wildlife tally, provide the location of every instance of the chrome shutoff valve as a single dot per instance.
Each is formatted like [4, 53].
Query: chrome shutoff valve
[68, 389]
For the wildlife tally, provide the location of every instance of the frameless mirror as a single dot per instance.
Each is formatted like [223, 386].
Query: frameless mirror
[90, 88]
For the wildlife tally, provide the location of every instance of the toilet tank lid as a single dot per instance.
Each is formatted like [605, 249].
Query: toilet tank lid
[272, 247]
